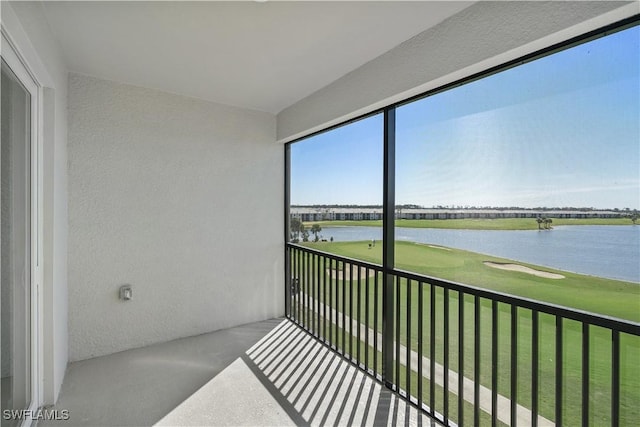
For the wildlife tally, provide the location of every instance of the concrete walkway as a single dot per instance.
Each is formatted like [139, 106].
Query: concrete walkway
[503, 403]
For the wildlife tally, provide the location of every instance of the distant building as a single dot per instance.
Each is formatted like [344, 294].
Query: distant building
[307, 214]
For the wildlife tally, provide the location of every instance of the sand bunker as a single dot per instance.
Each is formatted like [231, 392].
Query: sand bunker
[439, 247]
[523, 269]
[337, 274]
[434, 247]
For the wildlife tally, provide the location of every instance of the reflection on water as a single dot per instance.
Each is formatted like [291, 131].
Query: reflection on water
[597, 250]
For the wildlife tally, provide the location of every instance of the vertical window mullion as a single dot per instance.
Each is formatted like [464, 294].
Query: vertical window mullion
[388, 240]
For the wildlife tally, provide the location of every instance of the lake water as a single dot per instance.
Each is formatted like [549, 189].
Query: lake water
[605, 251]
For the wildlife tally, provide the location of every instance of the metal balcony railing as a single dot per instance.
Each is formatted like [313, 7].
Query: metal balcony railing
[465, 355]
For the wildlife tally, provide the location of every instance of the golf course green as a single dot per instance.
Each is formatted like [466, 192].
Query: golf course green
[594, 294]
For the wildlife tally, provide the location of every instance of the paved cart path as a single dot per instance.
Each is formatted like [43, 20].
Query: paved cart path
[503, 403]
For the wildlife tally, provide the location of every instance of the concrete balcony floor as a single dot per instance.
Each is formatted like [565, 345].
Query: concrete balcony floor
[268, 373]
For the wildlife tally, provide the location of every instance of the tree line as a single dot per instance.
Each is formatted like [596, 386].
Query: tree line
[298, 231]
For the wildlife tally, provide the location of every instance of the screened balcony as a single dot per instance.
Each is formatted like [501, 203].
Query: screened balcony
[320, 213]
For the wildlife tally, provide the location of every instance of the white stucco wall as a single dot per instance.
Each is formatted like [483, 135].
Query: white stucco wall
[484, 35]
[27, 26]
[182, 199]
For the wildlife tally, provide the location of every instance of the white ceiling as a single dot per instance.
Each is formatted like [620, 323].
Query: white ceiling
[258, 55]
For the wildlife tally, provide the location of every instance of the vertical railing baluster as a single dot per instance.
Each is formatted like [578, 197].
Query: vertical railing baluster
[351, 311]
[559, 358]
[324, 298]
[300, 287]
[534, 367]
[420, 333]
[315, 315]
[294, 278]
[397, 337]
[319, 294]
[460, 358]
[314, 294]
[408, 342]
[494, 363]
[344, 307]
[292, 273]
[445, 371]
[338, 304]
[366, 320]
[298, 284]
[432, 351]
[333, 298]
[287, 281]
[476, 362]
[296, 273]
[333, 281]
[615, 378]
[307, 290]
[293, 283]
[317, 302]
[311, 291]
[514, 365]
[375, 323]
[585, 374]
[359, 303]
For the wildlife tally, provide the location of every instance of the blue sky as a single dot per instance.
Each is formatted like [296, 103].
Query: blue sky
[563, 130]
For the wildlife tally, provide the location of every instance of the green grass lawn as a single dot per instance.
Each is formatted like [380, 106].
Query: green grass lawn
[474, 224]
[600, 366]
[604, 296]
[594, 294]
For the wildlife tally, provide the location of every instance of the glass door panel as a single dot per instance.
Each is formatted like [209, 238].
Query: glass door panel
[15, 248]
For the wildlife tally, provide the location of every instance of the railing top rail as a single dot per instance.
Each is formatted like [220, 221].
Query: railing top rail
[599, 320]
[354, 261]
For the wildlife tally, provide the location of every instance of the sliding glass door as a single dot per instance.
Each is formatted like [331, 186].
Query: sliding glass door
[15, 250]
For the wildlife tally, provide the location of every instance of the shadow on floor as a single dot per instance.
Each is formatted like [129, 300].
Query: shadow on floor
[289, 378]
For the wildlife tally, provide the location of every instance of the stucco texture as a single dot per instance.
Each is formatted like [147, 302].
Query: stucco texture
[182, 199]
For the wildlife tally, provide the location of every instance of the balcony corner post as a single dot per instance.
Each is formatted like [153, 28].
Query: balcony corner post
[388, 241]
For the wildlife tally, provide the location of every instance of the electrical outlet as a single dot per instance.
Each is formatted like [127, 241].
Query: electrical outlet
[125, 292]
